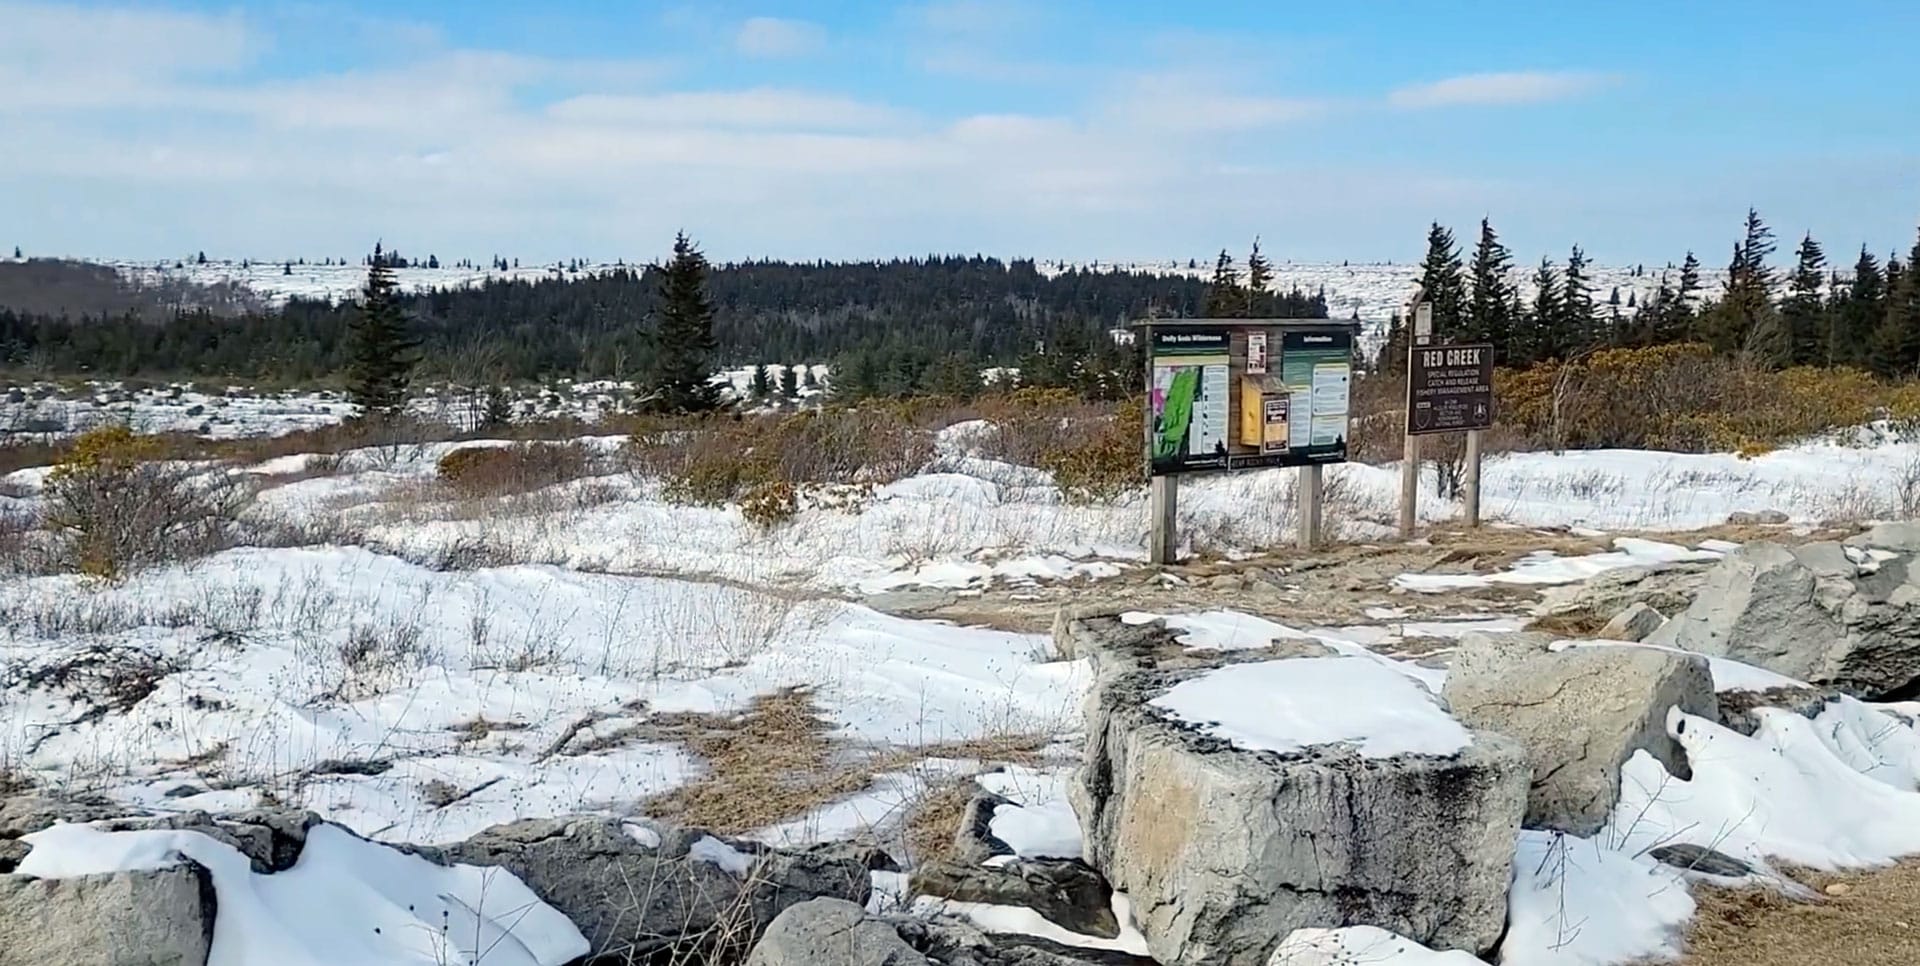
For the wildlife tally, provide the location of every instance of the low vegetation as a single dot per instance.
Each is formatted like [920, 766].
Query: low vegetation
[117, 508]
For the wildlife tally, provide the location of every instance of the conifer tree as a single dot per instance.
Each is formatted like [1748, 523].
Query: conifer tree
[499, 406]
[1392, 360]
[762, 385]
[381, 351]
[1857, 315]
[1259, 280]
[1545, 334]
[1491, 305]
[1442, 283]
[683, 335]
[1224, 299]
[1804, 311]
[1577, 325]
[790, 382]
[1896, 346]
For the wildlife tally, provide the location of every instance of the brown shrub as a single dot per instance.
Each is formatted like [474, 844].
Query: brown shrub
[119, 508]
[487, 471]
[714, 461]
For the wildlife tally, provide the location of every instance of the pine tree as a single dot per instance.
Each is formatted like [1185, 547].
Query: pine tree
[683, 335]
[433, 261]
[1491, 306]
[1745, 321]
[380, 350]
[1577, 326]
[1896, 346]
[16, 253]
[790, 382]
[762, 385]
[499, 406]
[1259, 279]
[1857, 316]
[1676, 320]
[1224, 299]
[288, 270]
[1442, 283]
[1804, 311]
[1393, 350]
[954, 376]
[1546, 337]
[202, 260]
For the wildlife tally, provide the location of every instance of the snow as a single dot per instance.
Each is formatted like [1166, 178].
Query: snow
[1039, 821]
[1023, 921]
[715, 852]
[1285, 706]
[1728, 675]
[345, 901]
[1580, 902]
[1547, 568]
[1360, 944]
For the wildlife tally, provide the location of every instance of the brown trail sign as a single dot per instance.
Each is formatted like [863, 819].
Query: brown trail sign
[1449, 389]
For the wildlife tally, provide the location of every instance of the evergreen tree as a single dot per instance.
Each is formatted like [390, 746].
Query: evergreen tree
[288, 270]
[1491, 307]
[1546, 337]
[683, 340]
[16, 253]
[499, 406]
[1896, 346]
[381, 351]
[1259, 280]
[1392, 361]
[808, 379]
[1224, 299]
[202, 260]
[1745, 321]
[762, 384]
[790, 382]
[1442, 284]
[1856, 317]
[954, 376]
[1578, 327]
[433, 261]
[1804, 311]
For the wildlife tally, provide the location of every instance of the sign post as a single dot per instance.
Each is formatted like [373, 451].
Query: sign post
[1420, 312]
[1450, 390]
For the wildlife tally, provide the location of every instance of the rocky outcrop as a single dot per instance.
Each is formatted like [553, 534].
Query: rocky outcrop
[1224, 851]
[1737, 707]
[160, 917]
[974, 842]
[1834, 616]
[832, 932]
[1065, 892]
[1581, 712]
[1667, 588]
[641, 892]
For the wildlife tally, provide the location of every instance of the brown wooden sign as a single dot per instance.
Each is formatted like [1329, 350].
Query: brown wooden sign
[1449, 389]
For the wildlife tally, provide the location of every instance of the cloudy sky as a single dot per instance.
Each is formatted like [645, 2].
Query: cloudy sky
[1051, 128]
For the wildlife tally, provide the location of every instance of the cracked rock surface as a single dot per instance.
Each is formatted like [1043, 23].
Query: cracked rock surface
[1224, 851]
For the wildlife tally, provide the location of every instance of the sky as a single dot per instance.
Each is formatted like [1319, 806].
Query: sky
[1072, 129]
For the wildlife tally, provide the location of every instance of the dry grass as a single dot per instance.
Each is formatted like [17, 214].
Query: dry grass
[1875, 923]
[1578, 623]
[774, 763]
[931, 822]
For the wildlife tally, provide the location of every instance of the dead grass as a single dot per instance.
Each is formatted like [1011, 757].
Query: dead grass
[931, 822]
[1875, 923]
[774, 762]
[1578, 623]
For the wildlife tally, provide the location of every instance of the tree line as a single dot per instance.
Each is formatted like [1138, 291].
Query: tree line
[1812, 315]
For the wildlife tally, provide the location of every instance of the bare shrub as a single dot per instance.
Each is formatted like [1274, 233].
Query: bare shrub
[378, 657]
[715, 461]
[120, 510]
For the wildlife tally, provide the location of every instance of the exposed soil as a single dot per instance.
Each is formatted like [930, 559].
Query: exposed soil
[1873, 921]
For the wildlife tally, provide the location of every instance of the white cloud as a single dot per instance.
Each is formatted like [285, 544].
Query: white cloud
[777, 37]
[764, 108]
[1511, 87]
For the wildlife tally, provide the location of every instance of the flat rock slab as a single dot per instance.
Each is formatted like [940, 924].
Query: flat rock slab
[159, 917]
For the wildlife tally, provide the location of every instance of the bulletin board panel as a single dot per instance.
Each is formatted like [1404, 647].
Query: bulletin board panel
[1232, 394]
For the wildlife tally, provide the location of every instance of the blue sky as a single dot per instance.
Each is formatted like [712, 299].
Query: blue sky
[1068, 129]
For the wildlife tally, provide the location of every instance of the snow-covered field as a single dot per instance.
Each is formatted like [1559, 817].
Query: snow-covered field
[1373, 290]
[371, 680]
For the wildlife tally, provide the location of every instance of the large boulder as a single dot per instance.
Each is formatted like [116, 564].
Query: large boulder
[1636, 623]
[1225, 849]
[1833, 616]
[1581, 712]
[1065, 892]
[159, 917]
[637, 892]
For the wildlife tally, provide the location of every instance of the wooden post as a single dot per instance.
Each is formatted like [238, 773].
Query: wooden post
[1308, 491]
[1163, 537]
[1422, 318]
[1472, 480]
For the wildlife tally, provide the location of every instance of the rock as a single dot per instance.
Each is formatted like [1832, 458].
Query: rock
[1894, 537]
[159, 917]
[911, 602]
[1705, 861]
[832, 932]
[1837, 889]
[1754, 518]
[22, 815]
[1065, 892]
[633, 900]
[1634, 624]
[12, 853]
[1581, 712]
[271, 839]
[1224, 851]
[1737, 707]
[974, 842]
[1810, 613]
[1667, 588]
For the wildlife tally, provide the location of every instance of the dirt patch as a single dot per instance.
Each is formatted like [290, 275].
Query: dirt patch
[1875, 921]
[774, 762]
